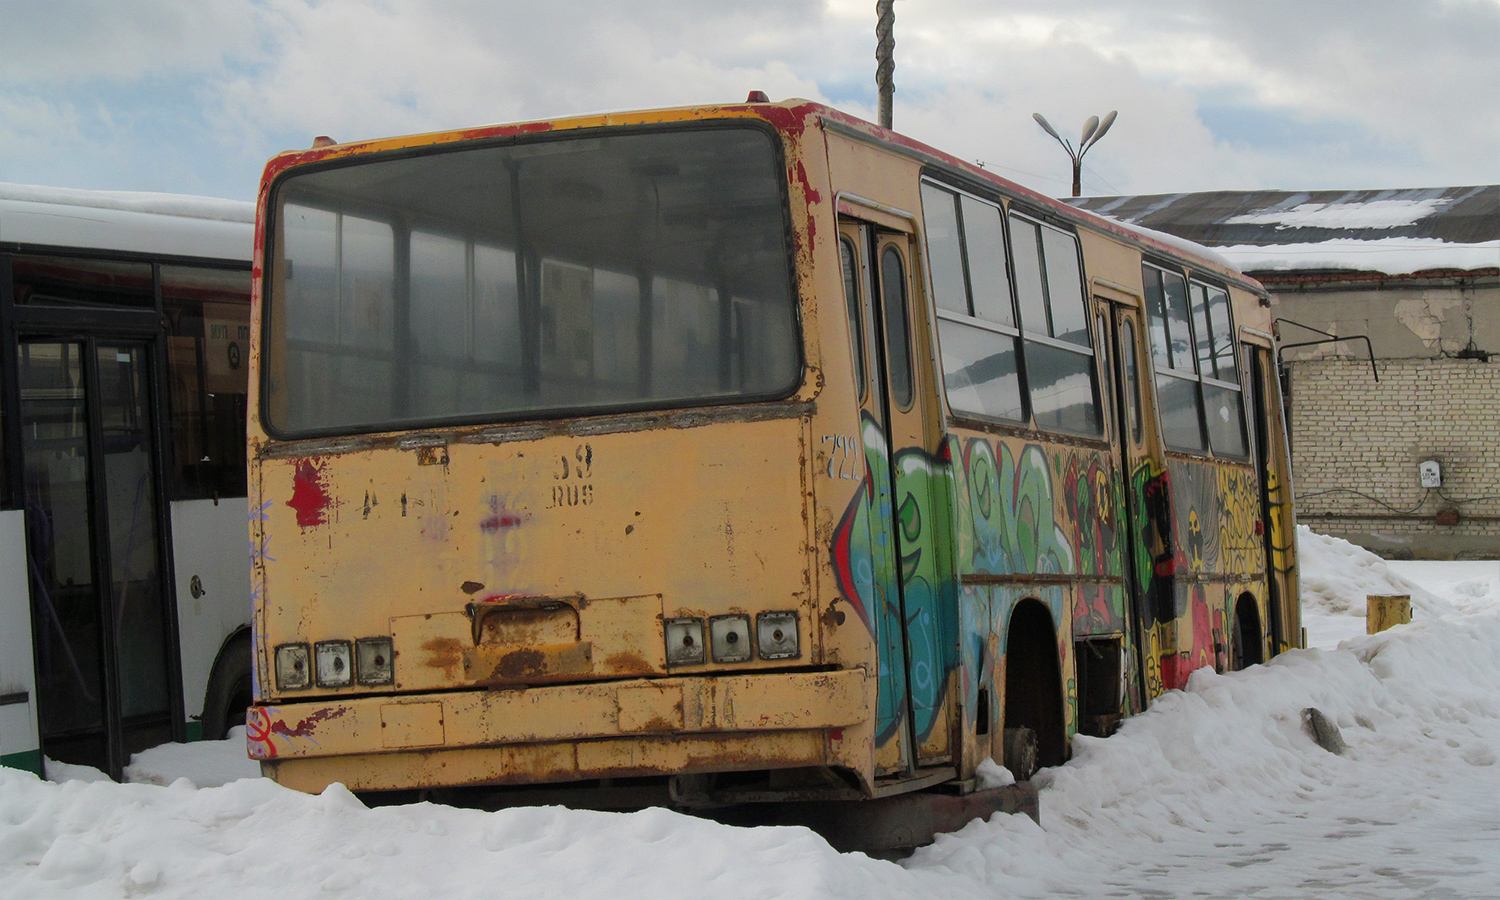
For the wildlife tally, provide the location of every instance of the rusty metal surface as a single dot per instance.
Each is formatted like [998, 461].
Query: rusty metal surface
[554, 761]
[731, 703]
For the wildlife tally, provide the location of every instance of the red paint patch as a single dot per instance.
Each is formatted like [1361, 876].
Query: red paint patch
[309, 497]
[306, 727]
[497, 522]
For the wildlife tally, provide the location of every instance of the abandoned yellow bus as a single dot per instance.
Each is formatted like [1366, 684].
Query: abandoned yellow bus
[752, 449]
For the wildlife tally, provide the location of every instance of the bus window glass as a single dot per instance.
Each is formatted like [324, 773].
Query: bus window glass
[980, 371]
[208, 359]
[944, 249]
[1198, 303]
[1226, 420]
[849, 265]
[367, 257]
[1065, 287]
[1132, 380]
[1026, 254]
[310, 281]
[60, 281]
[1179, 335]
[1181, 413]
[441, 311]
[897, 341]
[629, 271]
[497, 318]
[1156, 318]
[1062, 389]
[1218, 313]
[984, 241]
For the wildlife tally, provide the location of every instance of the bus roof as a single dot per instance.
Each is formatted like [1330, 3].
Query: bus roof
[127, 221]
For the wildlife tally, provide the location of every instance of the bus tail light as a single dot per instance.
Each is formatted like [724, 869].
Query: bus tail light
[776, 633]
[684, 642]
[335, 663]
[729, 638]
[373, 658]
[293, 670]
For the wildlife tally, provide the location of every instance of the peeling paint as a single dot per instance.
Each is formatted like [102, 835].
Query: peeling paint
[310, 496]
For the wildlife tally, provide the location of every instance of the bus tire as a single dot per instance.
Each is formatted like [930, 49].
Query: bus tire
[1021, 751]
[229, 689]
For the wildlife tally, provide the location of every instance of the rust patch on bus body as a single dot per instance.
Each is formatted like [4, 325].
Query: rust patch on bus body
[310, 496]
[445, 654]
[531, 665]
[627, 664]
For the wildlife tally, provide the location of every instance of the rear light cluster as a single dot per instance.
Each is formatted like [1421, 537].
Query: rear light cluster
[335, 664]
[729, 639]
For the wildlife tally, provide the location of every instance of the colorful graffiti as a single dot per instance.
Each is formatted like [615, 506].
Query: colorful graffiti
[890, 560]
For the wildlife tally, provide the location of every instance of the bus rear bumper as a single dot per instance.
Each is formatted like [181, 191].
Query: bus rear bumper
[566, 732]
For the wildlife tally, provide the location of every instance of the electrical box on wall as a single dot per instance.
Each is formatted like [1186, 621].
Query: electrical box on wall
[1431, 473]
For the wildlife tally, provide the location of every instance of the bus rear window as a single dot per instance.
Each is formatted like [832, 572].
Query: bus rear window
[587, 274]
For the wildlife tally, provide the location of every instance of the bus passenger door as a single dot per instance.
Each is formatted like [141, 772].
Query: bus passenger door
[1275, 492]
[102, 609]
[1147, 508]
[901, 429]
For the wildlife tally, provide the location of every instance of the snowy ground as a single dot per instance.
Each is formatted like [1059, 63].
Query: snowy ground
[1215, 792]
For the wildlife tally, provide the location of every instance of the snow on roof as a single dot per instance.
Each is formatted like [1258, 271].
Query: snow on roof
[1392, 256]
[1179, 243]
[165, 224]
[1374, 214]
[1393, 232]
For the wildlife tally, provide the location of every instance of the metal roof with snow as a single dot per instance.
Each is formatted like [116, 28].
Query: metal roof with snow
[1394, 231]
[1455, 215]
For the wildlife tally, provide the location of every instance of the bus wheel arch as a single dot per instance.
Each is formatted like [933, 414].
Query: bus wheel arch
[230, 687]
[1248, 645]
[1034, 696]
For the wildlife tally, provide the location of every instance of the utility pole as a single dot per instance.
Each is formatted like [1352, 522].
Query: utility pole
[1093, 130]
[885, 56]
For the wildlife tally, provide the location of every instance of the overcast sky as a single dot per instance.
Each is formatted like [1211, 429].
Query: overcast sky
[192, 96]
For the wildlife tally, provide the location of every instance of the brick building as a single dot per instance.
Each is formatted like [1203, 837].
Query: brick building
[1417, 272]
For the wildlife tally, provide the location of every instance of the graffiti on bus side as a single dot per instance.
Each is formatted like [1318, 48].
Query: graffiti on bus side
[1217, 508]
[886, 551]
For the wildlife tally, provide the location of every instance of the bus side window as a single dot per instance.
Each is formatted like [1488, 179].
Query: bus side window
[977, 337]
[1060, 371]
[1132, 381]
[851, 305]
[1177, 396]
[897, 339]
[208, 354]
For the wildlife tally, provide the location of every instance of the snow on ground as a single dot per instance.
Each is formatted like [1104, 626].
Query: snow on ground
[1215, 792]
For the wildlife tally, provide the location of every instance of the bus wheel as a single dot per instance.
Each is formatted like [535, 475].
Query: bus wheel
[1033, 682]
[1245, 648]
[1021, 751]
[229, 691]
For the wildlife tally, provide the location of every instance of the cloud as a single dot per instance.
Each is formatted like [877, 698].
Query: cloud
[73, 41]
[1211, 94]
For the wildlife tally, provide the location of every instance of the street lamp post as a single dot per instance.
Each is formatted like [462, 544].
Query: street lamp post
[1093, 130]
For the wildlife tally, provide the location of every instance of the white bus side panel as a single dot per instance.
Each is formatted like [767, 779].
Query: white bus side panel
[19, 742]
[210, 541]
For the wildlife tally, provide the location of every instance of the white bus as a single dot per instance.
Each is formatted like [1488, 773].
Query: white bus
[124, 576]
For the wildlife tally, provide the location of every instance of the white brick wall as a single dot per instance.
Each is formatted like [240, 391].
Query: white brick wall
[1350, 433]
